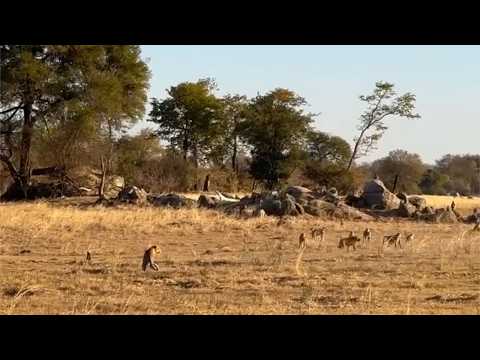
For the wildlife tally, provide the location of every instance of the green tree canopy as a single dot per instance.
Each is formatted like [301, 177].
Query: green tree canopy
[190, 118]
[60, 86]
[408, 166]
[275, 127]
[383, 103]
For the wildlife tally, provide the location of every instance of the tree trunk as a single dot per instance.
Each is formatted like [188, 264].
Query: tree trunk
[355, 149]
[101, 188]
[395, 183]
[234, 155]
[24, 174]
[206, 184]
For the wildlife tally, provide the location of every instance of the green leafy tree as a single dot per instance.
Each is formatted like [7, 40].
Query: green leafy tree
[383, 103]
[463, 172]
[408, 166]
[47, 86]
[190, 119]
[234, 115]
[433, 183]
[327, 157]
[275, 128]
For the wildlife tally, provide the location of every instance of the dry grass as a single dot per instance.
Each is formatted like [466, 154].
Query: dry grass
[463, 204]
[214, 264]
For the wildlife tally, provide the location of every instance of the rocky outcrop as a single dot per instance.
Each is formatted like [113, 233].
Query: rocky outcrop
[171, 200]
[132, 195]
[208, 202]
[406, 209]
[376, 195]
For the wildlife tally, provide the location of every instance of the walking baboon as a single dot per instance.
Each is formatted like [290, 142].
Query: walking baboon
[393, 240]
[319, 232]
[349, 241]
[367, 236]
[302, 241]
[149, 258]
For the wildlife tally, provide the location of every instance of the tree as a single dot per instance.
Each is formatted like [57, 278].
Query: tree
[275, 127]
[327, 157]
[408, 166]
[463, 172]
[133, 154]
[234, 114]
[190, 119]
[381, 104]
[433, 183]
[47, 86]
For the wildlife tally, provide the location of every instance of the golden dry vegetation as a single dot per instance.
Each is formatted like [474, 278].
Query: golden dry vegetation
[463, 203]
[214, 264]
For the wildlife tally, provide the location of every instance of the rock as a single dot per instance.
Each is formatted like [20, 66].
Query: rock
[113, 185]
[319, 208]
[376, 194]
[272, 206]
[344, 211]
[428, 210]
[289, 206]
[403, 196]
[300, 194]
[132, 195]
[208, 202]
[406, 209]
[172, 200]
[419, 202]
[446, 217]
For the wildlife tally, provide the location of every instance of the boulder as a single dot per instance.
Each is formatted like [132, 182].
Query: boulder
[132, 195]
[446, 217]
[406, 209]
[208, 202]
[403, 196]
[344, 211]
[172, 200]
[300, 194]
[319, 208]
[419, 202]
[289, 206]
[428, 210]
[375, 194]
[272, 206]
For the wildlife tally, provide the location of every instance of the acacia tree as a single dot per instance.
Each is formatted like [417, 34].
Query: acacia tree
[408, 166]
[47, 86]
[275, 127]
[190, 119]
[327, 156]
[381, 104]
[234, 115]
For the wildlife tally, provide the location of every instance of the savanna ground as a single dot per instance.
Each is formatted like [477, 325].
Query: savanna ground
[214, 264]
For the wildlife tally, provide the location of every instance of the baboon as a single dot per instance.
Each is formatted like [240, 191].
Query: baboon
[260, 213]
[393, 240]
[89, 256]
[349, 241]
[410, 237]
[319, 232]
[477, 226]
[453, 205]
[367, 236]
[149, 258]
[302, 241]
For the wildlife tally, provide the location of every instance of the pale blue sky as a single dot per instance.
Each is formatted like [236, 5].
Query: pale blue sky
[446, 80]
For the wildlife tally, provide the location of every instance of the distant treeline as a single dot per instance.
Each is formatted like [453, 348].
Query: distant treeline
[68, 106]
